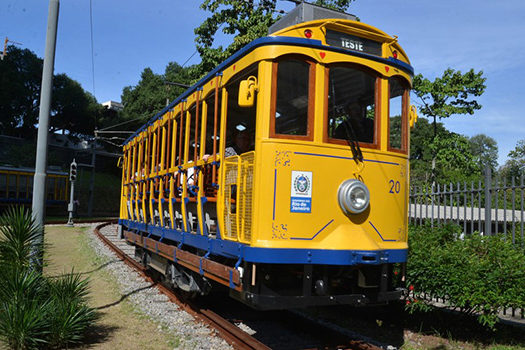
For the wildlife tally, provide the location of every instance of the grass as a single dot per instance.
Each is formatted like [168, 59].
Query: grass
[121, 326]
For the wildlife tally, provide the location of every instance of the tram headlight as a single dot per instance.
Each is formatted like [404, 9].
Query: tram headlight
[353, 196]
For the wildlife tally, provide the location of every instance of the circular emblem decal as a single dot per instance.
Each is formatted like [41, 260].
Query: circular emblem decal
[301, 184]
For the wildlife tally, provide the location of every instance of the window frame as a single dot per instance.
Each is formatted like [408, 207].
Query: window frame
[311, 98]
[404, 115]
[377, 102]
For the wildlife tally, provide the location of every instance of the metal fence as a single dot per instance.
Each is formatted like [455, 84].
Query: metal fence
[489, 207]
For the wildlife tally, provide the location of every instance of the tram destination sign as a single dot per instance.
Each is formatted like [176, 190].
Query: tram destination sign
[353, 43]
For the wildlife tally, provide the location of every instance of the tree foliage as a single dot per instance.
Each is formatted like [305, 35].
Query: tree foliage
[452, 93]
[72, 108]
[20, 79]
[451, 153]
[514, 166]
[245, 20]
[485, 150]
[152, 92]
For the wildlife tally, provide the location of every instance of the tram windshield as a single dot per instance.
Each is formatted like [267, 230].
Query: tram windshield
[351, 99]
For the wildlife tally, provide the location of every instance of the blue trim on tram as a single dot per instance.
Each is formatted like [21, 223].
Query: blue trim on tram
[340, 157]
[270, 40]
[237, 250]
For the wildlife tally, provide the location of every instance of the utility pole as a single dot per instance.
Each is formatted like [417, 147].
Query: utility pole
[39, 181]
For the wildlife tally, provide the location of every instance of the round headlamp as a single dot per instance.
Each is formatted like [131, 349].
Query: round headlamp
[353, 196]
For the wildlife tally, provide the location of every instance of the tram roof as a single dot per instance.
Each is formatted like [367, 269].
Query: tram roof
[268, 40]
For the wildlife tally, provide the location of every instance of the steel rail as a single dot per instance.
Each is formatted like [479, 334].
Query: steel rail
[232, 334]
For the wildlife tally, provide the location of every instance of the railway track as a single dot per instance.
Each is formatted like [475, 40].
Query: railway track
[227, 330]
[81, 221]
[330, 337]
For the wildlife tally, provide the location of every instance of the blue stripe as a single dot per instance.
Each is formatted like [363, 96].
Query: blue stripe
[274, 190]
[318, 232]
[348, 158]
[324, 256]
[384, 240]
[237, 250]
[322, 155]
[269, 40]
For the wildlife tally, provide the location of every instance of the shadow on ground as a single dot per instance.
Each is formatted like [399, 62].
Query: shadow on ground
[87, 273]
[125, 296]
[391, 324]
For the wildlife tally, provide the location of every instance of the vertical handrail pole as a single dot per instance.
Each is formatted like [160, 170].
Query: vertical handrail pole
[39, 180]
[488, 201]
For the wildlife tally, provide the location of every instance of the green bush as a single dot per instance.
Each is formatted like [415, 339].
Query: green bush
[36, 311]
[480, 275]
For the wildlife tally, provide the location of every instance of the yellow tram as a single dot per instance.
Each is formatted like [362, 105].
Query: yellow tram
[16, 187]
[282, 174]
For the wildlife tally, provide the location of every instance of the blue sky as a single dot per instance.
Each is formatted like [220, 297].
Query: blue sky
[130, 35]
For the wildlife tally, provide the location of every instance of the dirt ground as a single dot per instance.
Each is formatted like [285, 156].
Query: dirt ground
[120, 326]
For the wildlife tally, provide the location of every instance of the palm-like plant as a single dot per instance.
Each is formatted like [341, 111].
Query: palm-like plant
[70, 315]
[36, 312]
[23, 306]
[18, 234]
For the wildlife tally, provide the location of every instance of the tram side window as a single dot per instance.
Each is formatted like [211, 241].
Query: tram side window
[292, 94]
[351, 104]
[61, 188]
[50, 188]
[3, 185]
[30, 186]
[397, 115]
[240, 135]
[22, 186]
[12, 186]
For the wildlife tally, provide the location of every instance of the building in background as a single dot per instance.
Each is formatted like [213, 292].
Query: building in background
[114, 106]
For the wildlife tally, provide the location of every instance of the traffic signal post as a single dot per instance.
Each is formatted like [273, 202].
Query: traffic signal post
[72, 179]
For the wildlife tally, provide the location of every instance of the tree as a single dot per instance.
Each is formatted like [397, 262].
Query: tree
[485, 149]
[20, 79]
[245, 20]
[72, 108]
[152, 92]
[513, 167]
[450, 152]
[452, 93]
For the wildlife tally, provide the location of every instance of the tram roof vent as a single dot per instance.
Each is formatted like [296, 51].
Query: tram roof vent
[305, 12]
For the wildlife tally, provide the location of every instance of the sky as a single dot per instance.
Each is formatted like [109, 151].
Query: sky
[130, 35]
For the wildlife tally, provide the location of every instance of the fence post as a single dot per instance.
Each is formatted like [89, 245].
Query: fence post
[488, 201]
